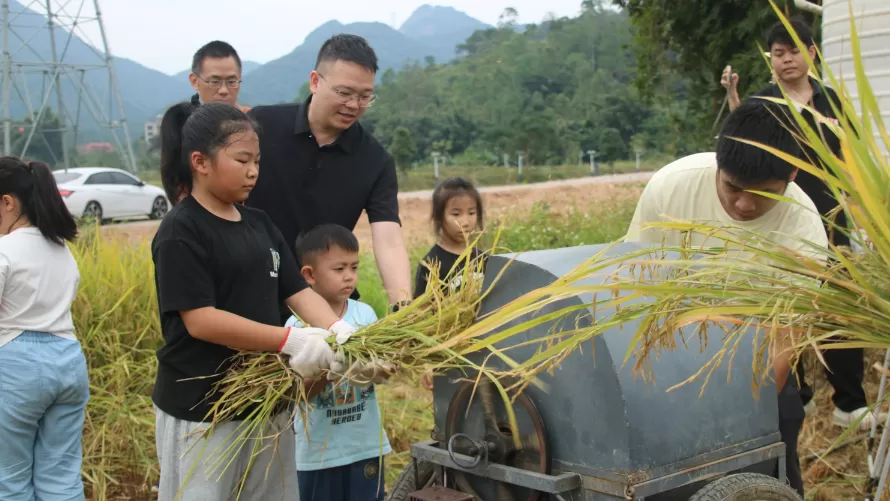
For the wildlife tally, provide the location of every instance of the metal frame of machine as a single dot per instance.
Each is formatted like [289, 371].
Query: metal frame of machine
[612, 486]
[879, 460]
[573, 482]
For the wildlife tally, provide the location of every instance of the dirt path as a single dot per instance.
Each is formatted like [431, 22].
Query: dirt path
[414, 207]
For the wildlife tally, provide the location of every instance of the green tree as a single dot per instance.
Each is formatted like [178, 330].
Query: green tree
[610, 146]
[402, 149]
[682, 47]
[98, 159]
[46, 142]
[638, 142]
[507, 19]
[547, 92]
[303, 93]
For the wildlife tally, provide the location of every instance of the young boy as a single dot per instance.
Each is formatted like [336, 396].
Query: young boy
[845, 369]
[714, 188]
[339, 446]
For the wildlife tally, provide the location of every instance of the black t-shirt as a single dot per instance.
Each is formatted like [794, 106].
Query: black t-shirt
[202, 260]
[814, 187]
[446, 261]
[303, 185]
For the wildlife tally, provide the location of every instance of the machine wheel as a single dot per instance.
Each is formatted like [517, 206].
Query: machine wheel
[408, 483]
[158, 208]
[746, 487]
[484, 419]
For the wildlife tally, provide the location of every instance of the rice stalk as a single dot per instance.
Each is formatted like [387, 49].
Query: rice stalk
[427, 336]
[116, 320]
[749, 285]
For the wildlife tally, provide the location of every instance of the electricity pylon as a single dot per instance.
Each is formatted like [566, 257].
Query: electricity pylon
[42, 59]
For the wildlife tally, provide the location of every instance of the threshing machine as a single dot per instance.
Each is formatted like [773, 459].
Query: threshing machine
[598, 433]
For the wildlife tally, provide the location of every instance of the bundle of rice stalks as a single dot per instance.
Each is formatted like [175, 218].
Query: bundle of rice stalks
[826, 298]
[403, 338]
[426, 336]
[115, 315]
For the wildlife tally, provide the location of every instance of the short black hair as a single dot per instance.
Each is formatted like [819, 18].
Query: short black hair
[762, 122]
[778, 33]
[448, 189]
[349, 48]
[323, 238]
[214, 50]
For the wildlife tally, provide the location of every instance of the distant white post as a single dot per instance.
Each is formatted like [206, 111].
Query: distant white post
[519, 164]
[506, 161]
[594, 168]
[638, 152]
[436, 155]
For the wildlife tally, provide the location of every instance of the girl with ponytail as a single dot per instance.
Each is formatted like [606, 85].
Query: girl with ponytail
[43, 373]
[221, 272]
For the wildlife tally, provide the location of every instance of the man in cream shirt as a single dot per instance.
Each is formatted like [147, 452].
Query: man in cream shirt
[712, 188]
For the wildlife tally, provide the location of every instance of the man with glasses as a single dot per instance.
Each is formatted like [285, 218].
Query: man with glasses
[320, 166]
[216, 74]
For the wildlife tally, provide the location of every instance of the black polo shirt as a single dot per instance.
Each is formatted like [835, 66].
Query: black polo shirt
[302, 185]
[814, 187]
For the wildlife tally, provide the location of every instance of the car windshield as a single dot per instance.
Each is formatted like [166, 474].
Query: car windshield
[65, 177]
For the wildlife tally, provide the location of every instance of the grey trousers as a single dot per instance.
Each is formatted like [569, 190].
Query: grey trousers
[195, 468]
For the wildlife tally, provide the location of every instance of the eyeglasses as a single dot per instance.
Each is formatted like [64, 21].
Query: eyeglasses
[216, 83]
[346, 97]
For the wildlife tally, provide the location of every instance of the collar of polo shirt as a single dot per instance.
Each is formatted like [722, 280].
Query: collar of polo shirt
[345, 140]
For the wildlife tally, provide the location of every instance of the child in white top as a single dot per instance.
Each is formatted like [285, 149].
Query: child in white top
[43, 373]
[340, 443]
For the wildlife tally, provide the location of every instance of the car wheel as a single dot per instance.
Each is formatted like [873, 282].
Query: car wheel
[158, 208]
[93, 212]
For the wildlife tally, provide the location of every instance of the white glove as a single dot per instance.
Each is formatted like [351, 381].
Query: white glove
[343, 330]
[309, 353]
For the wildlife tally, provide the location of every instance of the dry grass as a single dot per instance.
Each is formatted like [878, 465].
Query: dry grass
[842, 474]
[408, 418]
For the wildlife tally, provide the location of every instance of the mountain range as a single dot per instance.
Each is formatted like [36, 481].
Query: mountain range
[430, 31]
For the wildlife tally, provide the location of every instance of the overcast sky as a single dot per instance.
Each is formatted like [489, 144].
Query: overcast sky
[163, 34]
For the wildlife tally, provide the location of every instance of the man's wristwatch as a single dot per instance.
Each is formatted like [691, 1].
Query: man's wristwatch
[398, 306]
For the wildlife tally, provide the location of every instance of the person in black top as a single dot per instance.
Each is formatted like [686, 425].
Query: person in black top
[221, 270]
[320, 166]
[457, 212]
[216, 74]
[845, 369]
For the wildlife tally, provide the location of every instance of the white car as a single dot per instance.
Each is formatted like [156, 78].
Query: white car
[103, 193]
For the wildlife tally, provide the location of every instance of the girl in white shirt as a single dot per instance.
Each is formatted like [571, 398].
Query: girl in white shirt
[43, 373]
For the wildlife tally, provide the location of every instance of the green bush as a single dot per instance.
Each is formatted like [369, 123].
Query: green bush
[542, 229]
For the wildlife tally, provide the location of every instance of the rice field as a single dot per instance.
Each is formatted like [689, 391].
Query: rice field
[116, 315]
